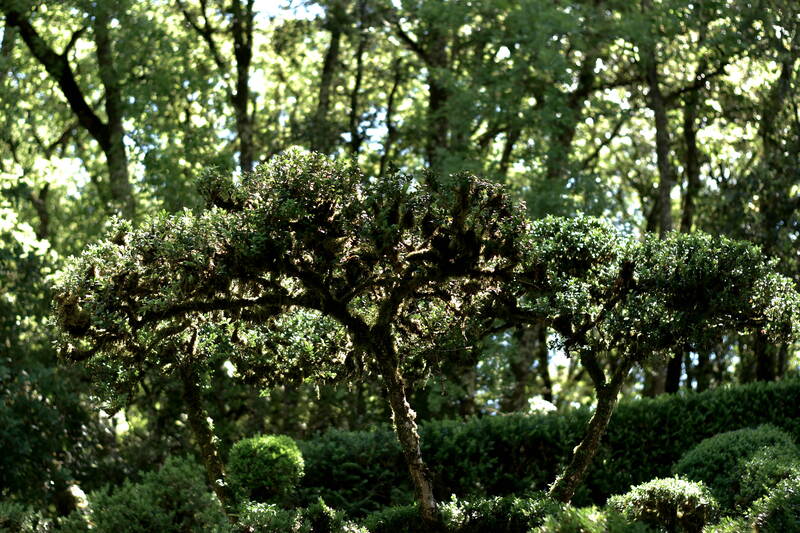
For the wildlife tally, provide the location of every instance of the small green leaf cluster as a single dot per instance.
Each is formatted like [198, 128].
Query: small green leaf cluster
[779, 510]
[673, 503]
[264, 468]
[18, 518]
[271, 518]
[721, 461]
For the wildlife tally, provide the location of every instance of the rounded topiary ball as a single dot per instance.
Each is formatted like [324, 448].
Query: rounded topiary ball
[264, 468]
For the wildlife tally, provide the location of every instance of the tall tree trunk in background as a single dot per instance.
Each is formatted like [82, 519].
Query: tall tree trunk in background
[438, 95]
[657, 103]
[557, 162]
[114, 147]
[241, 31]
[109, 135]
[322, 137]
[433, 52]
[356, 138]
[391, 129]
[531, 349]
[242, 28]
[770, 200]
[692, 170]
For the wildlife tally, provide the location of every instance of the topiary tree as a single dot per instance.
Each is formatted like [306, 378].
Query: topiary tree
[305, 269]
[616, 302]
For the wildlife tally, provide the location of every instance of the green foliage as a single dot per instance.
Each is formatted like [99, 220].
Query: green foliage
[779, 510]
[589, 520]
[174, 498]
[673, 503]
[720, 461]
[17, 518]
[764, 470]
[501, 455]
[264, 468]
[270, 518]
[404, 519]
[509, 514]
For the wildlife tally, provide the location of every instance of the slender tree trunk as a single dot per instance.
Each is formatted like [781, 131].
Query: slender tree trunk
[565, 485]
[557, 163]
[113, 145]
[405, 426]
[203, 434]
[674, 367]
[356, 138]
[532, 348]
[391, 129]
[243, 52]
[766, 360]
[321, 134]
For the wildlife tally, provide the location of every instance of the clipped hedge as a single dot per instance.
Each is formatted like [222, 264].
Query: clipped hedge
[721, 461]
[361, 472]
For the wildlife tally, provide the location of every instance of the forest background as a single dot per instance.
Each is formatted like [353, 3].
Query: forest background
[659, 116]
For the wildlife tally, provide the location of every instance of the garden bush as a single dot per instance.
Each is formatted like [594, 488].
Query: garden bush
[361, 472]
[259, 517]
[764, 471]
[590, 520]
[720, 461]
[18, 518]
[509, 514]
[265, 468]
[778, 511]
[172, 499]
[673, 503]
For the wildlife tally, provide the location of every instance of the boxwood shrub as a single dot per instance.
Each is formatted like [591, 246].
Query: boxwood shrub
[721, 461]
[361, 472]
[264, 468]
[672, 503]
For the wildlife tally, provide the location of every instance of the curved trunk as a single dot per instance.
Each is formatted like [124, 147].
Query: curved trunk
[563, 489]
[198, 422]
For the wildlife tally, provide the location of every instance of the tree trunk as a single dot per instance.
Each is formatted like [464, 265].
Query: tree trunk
[320, 134]
[108, 135]
[203, 434]
[765, 357]
[405, 426]
[565, 485]
[243, 52]
[532, 348]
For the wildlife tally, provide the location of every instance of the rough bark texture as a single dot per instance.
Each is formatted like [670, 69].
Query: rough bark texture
[203, 434]
[405, 425]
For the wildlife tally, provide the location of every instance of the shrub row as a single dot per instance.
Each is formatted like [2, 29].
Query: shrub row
[361, 472]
